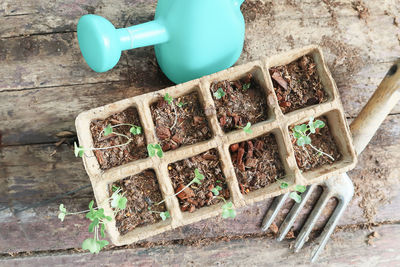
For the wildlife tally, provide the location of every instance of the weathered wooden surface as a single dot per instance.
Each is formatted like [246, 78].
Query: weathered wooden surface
[45, 83]
[241, 252]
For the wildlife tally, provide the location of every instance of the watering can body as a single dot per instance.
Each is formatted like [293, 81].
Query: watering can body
[192, 38]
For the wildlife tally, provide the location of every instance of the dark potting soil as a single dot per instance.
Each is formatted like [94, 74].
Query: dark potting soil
[113, 157]
[257, 163]
[244, 101]
[197, 196]
[297, 85]
[177, 126]
[307, 158]
[142, 191]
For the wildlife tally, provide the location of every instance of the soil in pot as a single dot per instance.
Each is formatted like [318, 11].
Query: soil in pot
[181, 122]
[257, 163]
[308, 158]
[241, 101]
[197, 196]
[113, 157]
[142, 191]
[297, 85]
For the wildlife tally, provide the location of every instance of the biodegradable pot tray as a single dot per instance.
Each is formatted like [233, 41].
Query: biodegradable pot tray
[277, 123]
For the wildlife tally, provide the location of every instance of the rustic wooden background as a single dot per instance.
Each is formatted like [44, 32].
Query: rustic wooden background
[45, 83]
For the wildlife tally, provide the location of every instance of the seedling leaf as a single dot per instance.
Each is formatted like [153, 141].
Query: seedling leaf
[164, 215]
[301, 141]
[135, 130]
[215, 191]
[62, 208]
[108, 130]
[102, 243]
[246, 86]
[319, 124]
[168, 98]
[198, 177]
[219, 93]
[61, 216]
[78, 150]
[93, 224]
[91, 203]
[300, 188]
[247, 129]
[180, 104]
[284, 185]
[151, 150]
[102, 228]
[296, 197]
[91, 245]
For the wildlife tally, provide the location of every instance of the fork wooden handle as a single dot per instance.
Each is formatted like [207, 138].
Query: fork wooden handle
[384, 99]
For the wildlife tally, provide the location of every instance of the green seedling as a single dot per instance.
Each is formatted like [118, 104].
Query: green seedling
[109, 129]
[168, 98]
[302, 134]
[98, 219]
[216, 190]
[219, 93]
[155, 149]
[246, 86]
[180, 104]
[227, 209]
[247, 129]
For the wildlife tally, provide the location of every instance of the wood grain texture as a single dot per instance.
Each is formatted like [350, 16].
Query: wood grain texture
[242, 252]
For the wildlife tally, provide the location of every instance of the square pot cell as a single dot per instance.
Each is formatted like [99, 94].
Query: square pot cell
[323, 149]
[119, 154]
[199, 195]
[297, 84]
[239, 102]
[180, 121]
[257, 162]
[142, 192]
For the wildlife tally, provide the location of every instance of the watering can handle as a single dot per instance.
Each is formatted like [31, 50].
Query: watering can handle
[383, 100]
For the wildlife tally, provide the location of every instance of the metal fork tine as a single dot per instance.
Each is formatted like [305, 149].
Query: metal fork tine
[346, 188]
[294, 211]
[273, 211]
[312, 219]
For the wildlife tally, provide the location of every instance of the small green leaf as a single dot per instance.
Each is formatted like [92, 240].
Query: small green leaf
[108, 130]
[215, 191]
[232, 213]
[307, 140]
[135, 130]
[218, 181]
[151, 150]
[93, 224]
[102, 243]
[319, 124]
[301, 141]
[247, 129]
[303, 128]
[115, 188]
[297, 128]
[91, 245]
[296, 197]
[284, 185]
[180, 104]
[91, 203]
[246, 86]
[297, 135]
[164, 215]
[122, 203]
[225, 213]
[78, 150]
[168, 98]
[108, 218]
[102, 228]
[61, 216]
[218, 188]
[160, 153]
[228, 205]
[219, 93]
[62, 208]
[300, 188]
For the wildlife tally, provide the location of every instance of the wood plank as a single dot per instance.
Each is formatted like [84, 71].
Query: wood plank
[347, 249]
[31, 174]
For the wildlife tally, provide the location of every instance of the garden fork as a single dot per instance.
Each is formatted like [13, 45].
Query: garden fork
[363, 129]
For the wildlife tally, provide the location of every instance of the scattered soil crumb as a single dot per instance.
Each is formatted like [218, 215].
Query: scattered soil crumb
[372, 237]
[307, 158]
[297, 85]
[396, 21]
[253, 9]
[257, 163]
[113, 157]
[142, 191]
[362, 10]
[372, 187]
[197, 196]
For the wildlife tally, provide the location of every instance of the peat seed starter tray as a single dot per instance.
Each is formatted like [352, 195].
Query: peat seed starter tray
[277, 124]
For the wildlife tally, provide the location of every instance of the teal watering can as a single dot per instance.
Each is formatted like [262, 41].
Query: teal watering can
[192, 38]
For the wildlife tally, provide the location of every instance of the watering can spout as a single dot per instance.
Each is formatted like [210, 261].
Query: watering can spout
[101, 44]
